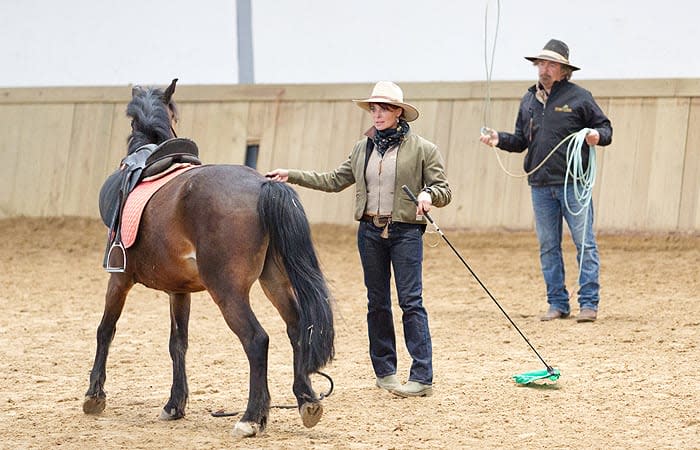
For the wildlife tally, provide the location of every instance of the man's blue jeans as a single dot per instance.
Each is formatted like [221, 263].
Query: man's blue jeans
[550, 212]
[402, 251]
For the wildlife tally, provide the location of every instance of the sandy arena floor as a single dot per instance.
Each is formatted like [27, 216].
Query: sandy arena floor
[629, 380]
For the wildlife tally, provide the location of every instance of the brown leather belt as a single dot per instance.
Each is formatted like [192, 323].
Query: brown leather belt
[377, 221]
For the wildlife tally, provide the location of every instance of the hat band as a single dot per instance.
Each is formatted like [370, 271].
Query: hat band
[554, 55]
[369, 100]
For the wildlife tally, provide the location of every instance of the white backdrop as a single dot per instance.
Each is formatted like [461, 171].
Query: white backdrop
[100, 42]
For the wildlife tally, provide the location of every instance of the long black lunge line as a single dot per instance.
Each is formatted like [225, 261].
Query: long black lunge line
[437, 228]
[222, 413]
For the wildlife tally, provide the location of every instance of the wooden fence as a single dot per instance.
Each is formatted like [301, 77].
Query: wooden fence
[59, 144]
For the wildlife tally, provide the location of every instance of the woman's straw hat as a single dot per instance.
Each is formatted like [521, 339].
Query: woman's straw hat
[391, 93]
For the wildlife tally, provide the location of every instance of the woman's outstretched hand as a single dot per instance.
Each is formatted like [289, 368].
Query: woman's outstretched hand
[280, 175]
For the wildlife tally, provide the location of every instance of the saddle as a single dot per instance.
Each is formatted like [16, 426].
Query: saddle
[146, 161]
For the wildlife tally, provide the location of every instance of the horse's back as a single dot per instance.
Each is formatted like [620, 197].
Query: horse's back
[208, 192]
[221, 181]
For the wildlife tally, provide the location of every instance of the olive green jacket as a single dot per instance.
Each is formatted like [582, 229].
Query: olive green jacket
[419, 165]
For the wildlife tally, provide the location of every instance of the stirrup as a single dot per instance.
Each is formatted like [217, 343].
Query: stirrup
[117, 268]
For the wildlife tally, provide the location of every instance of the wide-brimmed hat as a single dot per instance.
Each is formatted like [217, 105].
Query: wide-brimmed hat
[555, 51]
[391, 93]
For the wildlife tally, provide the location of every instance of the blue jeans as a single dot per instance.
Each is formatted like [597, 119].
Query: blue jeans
[550, 209]
[403, 251]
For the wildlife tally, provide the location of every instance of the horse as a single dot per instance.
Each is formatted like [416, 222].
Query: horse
[220, 228]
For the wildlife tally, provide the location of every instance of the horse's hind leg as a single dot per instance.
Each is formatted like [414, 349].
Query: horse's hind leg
[235, 307]
[117, 289]
[278, 289]
[179, 320]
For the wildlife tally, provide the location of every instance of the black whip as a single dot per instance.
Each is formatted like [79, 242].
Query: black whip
[437, 228]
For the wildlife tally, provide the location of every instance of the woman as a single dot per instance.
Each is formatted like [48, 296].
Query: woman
[390, 232]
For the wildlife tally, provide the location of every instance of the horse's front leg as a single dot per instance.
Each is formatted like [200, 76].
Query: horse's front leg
[117, 289]
[179, 321]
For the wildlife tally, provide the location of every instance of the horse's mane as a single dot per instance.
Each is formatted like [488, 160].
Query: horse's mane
[150, 119]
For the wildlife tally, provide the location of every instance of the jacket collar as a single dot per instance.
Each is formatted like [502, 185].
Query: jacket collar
[541, 95]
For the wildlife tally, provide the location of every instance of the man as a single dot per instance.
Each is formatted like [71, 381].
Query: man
[550, 111]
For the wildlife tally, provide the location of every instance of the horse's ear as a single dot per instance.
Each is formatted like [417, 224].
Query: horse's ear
[167, 96]
[135, 91]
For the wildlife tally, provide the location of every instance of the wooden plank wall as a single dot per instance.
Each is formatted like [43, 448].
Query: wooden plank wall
[59, 144]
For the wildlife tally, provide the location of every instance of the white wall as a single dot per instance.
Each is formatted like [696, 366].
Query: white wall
[93, 42]
[105, 42]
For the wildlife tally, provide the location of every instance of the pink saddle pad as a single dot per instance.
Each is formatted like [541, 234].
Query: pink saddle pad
[137, 200]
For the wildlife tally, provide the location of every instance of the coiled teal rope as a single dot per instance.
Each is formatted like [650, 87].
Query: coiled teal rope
[582, 179]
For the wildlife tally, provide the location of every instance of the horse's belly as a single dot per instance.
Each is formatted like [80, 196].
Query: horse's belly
[177, 274]
[173, 285]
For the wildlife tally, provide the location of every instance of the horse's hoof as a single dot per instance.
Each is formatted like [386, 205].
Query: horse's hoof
[170, 415]
[245, 429]
[94, 405]
[311, 413]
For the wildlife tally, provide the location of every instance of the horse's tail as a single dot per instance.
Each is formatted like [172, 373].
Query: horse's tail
[285, 221]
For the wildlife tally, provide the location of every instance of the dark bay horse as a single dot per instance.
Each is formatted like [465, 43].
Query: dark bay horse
[220, 228]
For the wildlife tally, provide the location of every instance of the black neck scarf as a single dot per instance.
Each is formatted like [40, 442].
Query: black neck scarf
[385, 139]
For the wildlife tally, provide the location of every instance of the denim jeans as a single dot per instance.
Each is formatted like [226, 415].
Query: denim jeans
[550, 209]
[402, 251]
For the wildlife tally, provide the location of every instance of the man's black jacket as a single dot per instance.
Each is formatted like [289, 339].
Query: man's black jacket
[540, 127]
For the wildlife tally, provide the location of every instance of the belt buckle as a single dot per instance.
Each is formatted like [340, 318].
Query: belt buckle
[380, 221]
